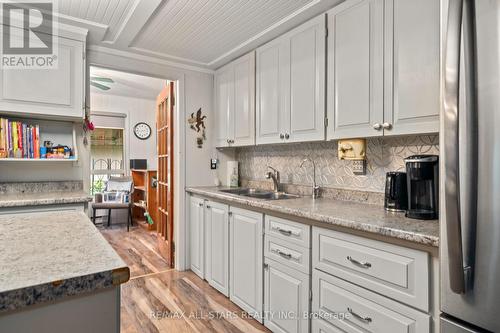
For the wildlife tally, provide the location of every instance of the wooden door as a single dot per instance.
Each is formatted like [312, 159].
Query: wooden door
[245, 260]
[412, 67]
[197, 235]
[307, 81]
[286, 291]
[217, 246]
[355, 69]
[165, 143]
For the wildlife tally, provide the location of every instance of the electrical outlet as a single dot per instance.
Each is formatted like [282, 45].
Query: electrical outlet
[358, 167]
[213, 163]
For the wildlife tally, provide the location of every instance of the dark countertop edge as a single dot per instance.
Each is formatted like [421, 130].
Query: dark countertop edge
[369, 228]
[16, 299]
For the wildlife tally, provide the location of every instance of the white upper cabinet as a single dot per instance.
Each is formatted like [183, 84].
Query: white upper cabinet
[235, 102]
[383, 68]
[223, 100]
[244, 101]
[413, 71]
[307, 81]
[270, 92]
[56, 93]
[290, 86]
[355, 70]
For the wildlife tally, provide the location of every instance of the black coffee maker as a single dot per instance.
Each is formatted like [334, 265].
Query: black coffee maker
[396, 193]
[422, 176]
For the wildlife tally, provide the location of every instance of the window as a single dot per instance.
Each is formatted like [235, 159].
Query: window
[107, 155]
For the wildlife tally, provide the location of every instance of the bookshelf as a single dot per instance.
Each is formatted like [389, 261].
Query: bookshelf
[144, 198]
[58, 132]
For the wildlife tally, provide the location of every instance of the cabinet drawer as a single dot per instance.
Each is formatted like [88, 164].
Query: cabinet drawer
[289, 254]
[321, 326]
[397, 272]
[293, 232]
[354, 309]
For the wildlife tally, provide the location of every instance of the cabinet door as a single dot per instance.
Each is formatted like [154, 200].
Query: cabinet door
[286, 291]
[355, 69]
[244, 101]
[272, 92]
[217, 246]
[197, 236]
[307, 81]
[412, 66]
[224, 104]
[56, 92]
[246, 256]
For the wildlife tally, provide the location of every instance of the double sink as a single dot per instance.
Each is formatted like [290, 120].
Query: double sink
[260, 194]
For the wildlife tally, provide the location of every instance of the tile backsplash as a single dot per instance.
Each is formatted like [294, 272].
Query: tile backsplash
[383, 155]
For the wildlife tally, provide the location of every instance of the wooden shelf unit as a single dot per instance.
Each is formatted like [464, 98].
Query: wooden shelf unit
[144, 190]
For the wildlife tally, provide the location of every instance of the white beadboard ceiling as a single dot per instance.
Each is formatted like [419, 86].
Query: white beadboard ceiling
[127, 84]
[201, 33]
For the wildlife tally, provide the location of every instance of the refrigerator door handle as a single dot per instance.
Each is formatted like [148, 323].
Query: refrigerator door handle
[459, 265]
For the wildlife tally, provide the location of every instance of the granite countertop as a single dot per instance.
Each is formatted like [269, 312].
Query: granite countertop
[354, 215]
[43, 198]
[51, 255]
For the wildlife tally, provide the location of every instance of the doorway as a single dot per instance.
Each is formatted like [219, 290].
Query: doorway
[126, 143]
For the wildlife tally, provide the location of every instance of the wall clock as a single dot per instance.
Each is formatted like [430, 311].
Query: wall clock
[142, 131]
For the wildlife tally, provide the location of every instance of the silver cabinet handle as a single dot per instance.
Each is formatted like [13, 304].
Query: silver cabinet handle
[359, 263]
[377, 126]
[209, 207]
[285, 232]
[355, 315]
[387, 126]
[282, 136]
[284, 255]
[231, 141]
[287, 136]
[227, 140]
[200, 204]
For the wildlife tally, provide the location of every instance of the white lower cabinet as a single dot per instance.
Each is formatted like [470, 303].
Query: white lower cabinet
[245, 260]
[217, 246]
[287, 275]
[286, 298]
[357, 284]
[355, 309]
[197, 235]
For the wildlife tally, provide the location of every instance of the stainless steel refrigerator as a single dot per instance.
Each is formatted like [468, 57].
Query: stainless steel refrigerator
[470, 211]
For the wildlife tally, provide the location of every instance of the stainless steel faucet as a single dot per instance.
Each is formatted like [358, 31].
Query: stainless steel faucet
[315, 188]
[275, 176]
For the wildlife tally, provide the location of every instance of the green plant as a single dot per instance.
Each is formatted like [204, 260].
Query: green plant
[97, 186]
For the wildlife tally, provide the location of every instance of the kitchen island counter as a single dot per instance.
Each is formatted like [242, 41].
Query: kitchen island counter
[48, 256]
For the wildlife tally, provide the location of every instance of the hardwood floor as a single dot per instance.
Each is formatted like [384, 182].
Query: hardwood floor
[158, 299]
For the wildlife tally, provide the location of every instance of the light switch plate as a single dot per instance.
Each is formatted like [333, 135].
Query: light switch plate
[359, 167]
[213, 163]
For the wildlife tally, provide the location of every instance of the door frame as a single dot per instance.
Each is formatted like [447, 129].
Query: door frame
[146, 66]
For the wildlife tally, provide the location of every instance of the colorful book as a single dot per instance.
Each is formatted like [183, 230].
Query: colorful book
[3, 138]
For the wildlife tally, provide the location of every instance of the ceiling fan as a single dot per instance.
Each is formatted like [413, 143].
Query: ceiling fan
[97, 81]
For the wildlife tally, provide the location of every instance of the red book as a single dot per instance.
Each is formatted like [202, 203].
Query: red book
[37, 141]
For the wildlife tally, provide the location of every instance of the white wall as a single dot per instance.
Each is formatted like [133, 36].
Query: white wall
[137, 110]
